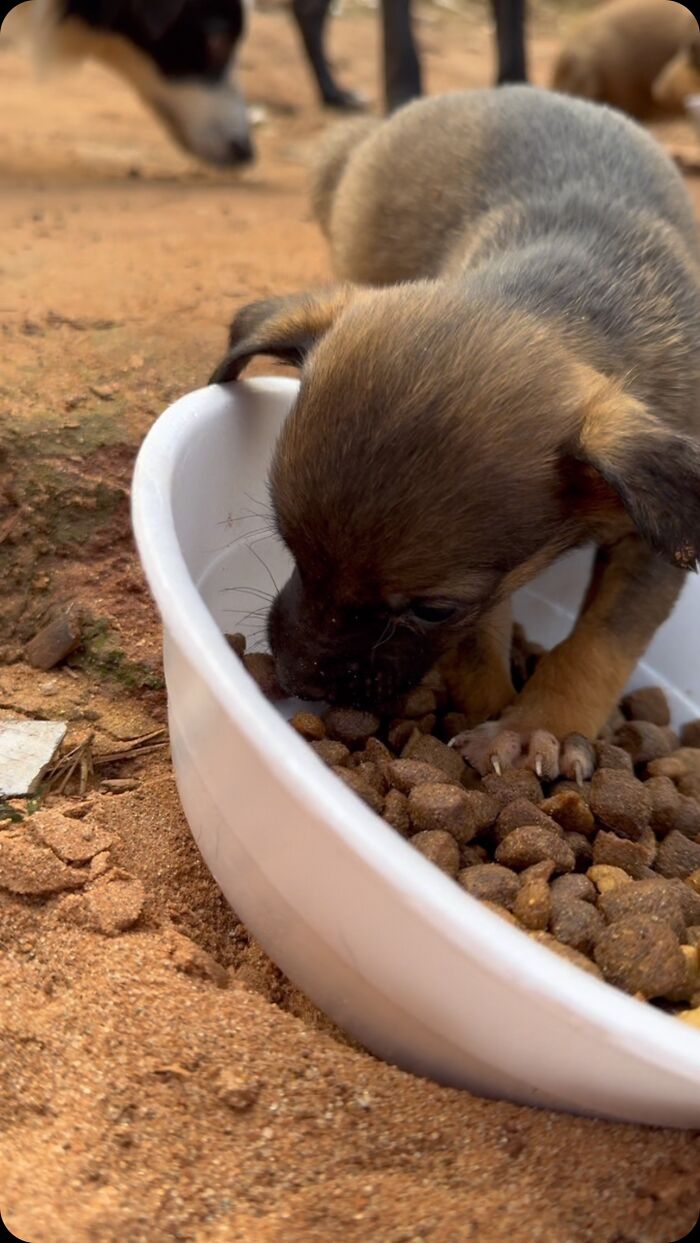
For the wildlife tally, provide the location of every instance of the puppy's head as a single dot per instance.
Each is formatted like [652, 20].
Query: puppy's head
[178, 54]
[679, 79]
[438, 455]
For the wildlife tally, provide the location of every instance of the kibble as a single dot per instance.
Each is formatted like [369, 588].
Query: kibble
[530, 844]
[647, 704]
[577, 924]
[635, 858]
[440, 848]
[570, 810]
[654, 898]
[533, 904]
[620, 801]
[361, 788]
[643, 741]
[642, 956]
[350, 726]
[261, 667]
[406, 774]
[432, 751]
[396, 811]
[491, 883]
[443, 807]
[335, 754]
[677, 855]
[309, 726]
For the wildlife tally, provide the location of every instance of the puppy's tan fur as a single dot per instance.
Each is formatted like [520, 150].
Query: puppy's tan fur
[615, 53]
[516, 375]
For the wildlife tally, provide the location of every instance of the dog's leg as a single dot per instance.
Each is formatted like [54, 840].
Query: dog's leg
[402, 75]
[509, 16]
[575, 686]
[311, 18]
[477, 672]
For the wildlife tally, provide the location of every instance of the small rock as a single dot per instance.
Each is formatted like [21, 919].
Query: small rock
[119, 785]
[350, 725]
[641, 955]
[236, 1090]
[621, 802]
[26, 868]
[115, 902]
[72, 840]
[26, 750]
[440, 848]
[531, 844]
[56, 640]
[490, 882]
[192, 960]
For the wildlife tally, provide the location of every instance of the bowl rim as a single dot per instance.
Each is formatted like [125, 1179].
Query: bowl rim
[510, 955]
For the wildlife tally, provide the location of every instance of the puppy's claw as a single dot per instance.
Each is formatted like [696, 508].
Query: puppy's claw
[543, 755]
[578, 772]
[577, 759]
[496, 765]
[539, 765]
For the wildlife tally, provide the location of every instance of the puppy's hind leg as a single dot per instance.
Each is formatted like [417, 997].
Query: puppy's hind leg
[330, 163]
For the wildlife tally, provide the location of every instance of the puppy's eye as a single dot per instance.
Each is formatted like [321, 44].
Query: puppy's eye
[429, 614]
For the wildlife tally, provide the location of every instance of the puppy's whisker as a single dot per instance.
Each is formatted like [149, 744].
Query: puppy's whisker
[266, 568]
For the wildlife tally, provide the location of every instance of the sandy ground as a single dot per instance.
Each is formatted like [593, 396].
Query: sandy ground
[160, 1080]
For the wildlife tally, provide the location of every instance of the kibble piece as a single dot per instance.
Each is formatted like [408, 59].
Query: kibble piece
[533, 905]
[692, 935]
[377, 752]
[426, 724]
[373, 775]
[334, 754]
[237, 643]
[544, 870]
[432, 751]
[608, 755]
[361, 788]
[418, 702]
[405, 774]
[396, 811]
[531, 844]
[570, 810]
[691, 984]
[309, 726]
[692, 1017]
[350, 725]
[491, 883]
[571, 787]
[677, 855]
[516, 783]
[399, 732]
[690, 734]
[440, 848]
[606, 878]
[444, 807]
[577, 924]
[643, 741]
[665, 803]
[646, 897]
[471, 855]
[261, 667]
[649, 703]
[453, 723]
[694, 880]
[687, 814]
[689, 784]
[688, 899]
[670, 766]
[573, 885]
[621, 802]
[565, 951]
[521, 811]
[641, 955]
[635, 858]
[582, 848]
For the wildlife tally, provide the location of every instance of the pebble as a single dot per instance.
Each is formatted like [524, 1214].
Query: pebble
[440, 848]
[419, 702]
[115, 902]
[530, 844]
[236, 1090]
[237, 643]
[641, 955]
[690, 734]
[665, 803]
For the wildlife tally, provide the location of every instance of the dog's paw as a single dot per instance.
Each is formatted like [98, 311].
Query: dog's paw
[496, 747]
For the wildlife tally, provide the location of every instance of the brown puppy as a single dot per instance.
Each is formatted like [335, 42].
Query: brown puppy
[615, 53]
[524, 379]
[680, 78]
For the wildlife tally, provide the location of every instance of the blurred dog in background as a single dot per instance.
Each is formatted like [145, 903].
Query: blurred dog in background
[179, 55]
[633, 54]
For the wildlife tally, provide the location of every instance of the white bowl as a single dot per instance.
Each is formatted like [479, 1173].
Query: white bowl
[393, 950]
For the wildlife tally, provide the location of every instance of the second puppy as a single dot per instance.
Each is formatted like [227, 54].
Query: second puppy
[519, 375]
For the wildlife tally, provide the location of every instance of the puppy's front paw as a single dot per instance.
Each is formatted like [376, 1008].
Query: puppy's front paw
[497, 746]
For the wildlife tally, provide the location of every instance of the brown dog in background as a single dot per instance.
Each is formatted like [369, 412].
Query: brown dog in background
[615, 55]
[517, 375]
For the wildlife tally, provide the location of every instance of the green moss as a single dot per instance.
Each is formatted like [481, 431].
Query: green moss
[100, 657]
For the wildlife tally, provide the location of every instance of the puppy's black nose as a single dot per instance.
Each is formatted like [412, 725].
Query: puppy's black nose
[241, 151]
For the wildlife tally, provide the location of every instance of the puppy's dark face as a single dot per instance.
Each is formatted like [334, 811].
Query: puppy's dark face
[432, 463]
[184, 38]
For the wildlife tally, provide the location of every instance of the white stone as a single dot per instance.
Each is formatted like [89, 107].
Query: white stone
[26, 750]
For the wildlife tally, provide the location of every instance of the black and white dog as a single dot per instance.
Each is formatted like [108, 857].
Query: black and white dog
[179, 56]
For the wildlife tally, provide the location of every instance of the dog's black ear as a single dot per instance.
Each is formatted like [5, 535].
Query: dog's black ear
[283, 328]
[654, 470]
[151, 19]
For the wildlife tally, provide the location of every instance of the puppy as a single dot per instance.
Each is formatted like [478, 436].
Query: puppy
[516, 375]
[615, 53]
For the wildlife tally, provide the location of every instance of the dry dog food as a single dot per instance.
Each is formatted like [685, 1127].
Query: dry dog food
[605, 873]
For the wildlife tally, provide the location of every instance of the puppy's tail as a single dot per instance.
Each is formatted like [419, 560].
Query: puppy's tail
[330, 162]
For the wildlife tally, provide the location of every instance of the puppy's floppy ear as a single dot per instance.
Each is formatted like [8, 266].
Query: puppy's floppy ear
[285, 328]
[654, 470]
